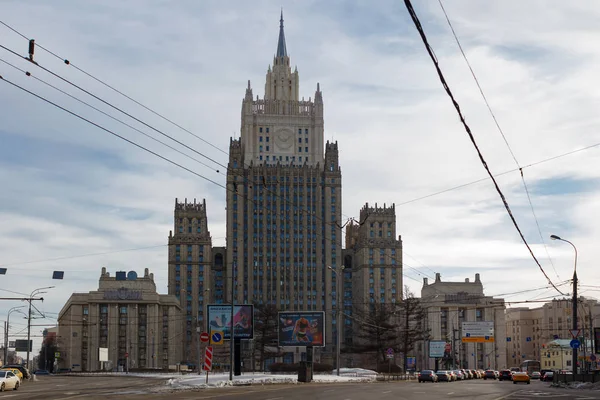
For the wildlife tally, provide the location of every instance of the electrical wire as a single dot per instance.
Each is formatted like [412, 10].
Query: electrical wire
[470, 134]
[110, 131]
[29, 74]
[80, 256]
[69, 63]
[114, 107]
[489, 107]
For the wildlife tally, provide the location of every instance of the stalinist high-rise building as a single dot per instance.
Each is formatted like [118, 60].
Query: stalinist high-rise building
[284, 199]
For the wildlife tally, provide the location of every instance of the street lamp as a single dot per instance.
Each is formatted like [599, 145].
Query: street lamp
[33, 293]
[339, 316]
[574, 361]
[7, 328]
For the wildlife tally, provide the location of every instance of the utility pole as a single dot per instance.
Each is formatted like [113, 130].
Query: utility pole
[574, 361]
[198, 346]
[30, 299]
[231, 333]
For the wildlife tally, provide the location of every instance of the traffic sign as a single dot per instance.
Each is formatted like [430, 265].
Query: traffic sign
[216, 338]
[126, 355]
[390, 351]
[593, 357]
[528, 339]
[508, 339]
[448, 347]
[575, 333]
[575, 344]
[204, 337]
[208, 359]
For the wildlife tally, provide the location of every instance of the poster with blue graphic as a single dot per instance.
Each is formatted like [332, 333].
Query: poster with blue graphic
[219, 320]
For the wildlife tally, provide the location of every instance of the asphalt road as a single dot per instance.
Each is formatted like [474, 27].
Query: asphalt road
[132, 388]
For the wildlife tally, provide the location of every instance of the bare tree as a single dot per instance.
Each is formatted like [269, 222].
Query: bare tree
[376, 330]
[412, 317]
[265, 333]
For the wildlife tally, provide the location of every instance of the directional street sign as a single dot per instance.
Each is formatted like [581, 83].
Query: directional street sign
[575, 333]
[528, 339]
[216, 338]
[575, 344]
[508, 339]
[204, 337]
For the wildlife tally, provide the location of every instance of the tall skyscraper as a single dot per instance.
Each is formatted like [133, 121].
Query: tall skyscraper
[284, 199]
[190, 276]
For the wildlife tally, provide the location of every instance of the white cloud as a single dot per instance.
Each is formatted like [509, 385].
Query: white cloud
[69, 189]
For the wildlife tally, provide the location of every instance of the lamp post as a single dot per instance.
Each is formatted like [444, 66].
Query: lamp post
[33, 293]
[7, 328]
[339, 280]
[574, 361]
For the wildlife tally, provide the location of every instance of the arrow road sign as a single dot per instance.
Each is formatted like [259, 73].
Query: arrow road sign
[216, 338]
[575, 333]
[574, 344]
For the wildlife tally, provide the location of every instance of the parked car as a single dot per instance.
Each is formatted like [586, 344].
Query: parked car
[8, 380]
[443, 376]
[41, 372]
[489, 374]
[15, 371]
[521, 377]
[548, 376]
[427, 375]
[535, 375]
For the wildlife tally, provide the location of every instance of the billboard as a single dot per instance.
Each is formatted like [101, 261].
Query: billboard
[102, 353]
[477, 331]
[301, 328]
[436, 348]
[219, 320]
[21, 345]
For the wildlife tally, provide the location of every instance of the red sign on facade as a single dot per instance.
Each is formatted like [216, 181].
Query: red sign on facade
[204, 337]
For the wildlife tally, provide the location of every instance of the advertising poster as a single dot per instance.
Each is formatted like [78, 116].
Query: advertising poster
[219, 320]
[301, 328]
[437, 348]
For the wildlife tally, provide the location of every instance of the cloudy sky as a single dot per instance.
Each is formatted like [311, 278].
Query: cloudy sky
[69, 189]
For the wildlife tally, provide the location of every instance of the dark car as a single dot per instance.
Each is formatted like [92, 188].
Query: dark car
[443, 376]
[505, 375]
[24, 371]
[427, 375]
[489, 374]
[41, 372]
[548, 376]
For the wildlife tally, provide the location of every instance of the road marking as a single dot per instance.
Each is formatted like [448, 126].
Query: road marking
[386, 392]
[328, 390]
[448, 393]
[275, 398]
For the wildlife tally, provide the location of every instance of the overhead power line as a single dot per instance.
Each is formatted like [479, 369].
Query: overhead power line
[470, 134]
[489, 107]
[110, 131]
[114, 107]
[67, 62]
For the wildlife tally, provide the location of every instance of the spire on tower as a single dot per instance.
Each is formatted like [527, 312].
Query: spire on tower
[281, 49]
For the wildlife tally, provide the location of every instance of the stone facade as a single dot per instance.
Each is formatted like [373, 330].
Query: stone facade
[448, 305]
[191, 279]
[531, 329]
[284, 199]
[139, 327]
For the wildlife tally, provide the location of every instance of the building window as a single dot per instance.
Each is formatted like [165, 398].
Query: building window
[299, 149]
[306, 131]
[260, 139]
[260, 148]
[267, 148]
[300, 131]
[267, 138]
[267, 132]
[299, 140]
[260, 129]
[306, 149]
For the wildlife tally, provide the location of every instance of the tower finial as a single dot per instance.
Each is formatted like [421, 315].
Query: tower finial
[281, 49]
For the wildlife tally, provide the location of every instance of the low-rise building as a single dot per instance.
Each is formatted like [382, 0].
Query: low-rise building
[528, 330]
[133, 325]
[449, 305]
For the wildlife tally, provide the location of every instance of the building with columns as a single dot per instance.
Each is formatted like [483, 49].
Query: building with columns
[448, 305]
[284, 199]
[139, 327]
